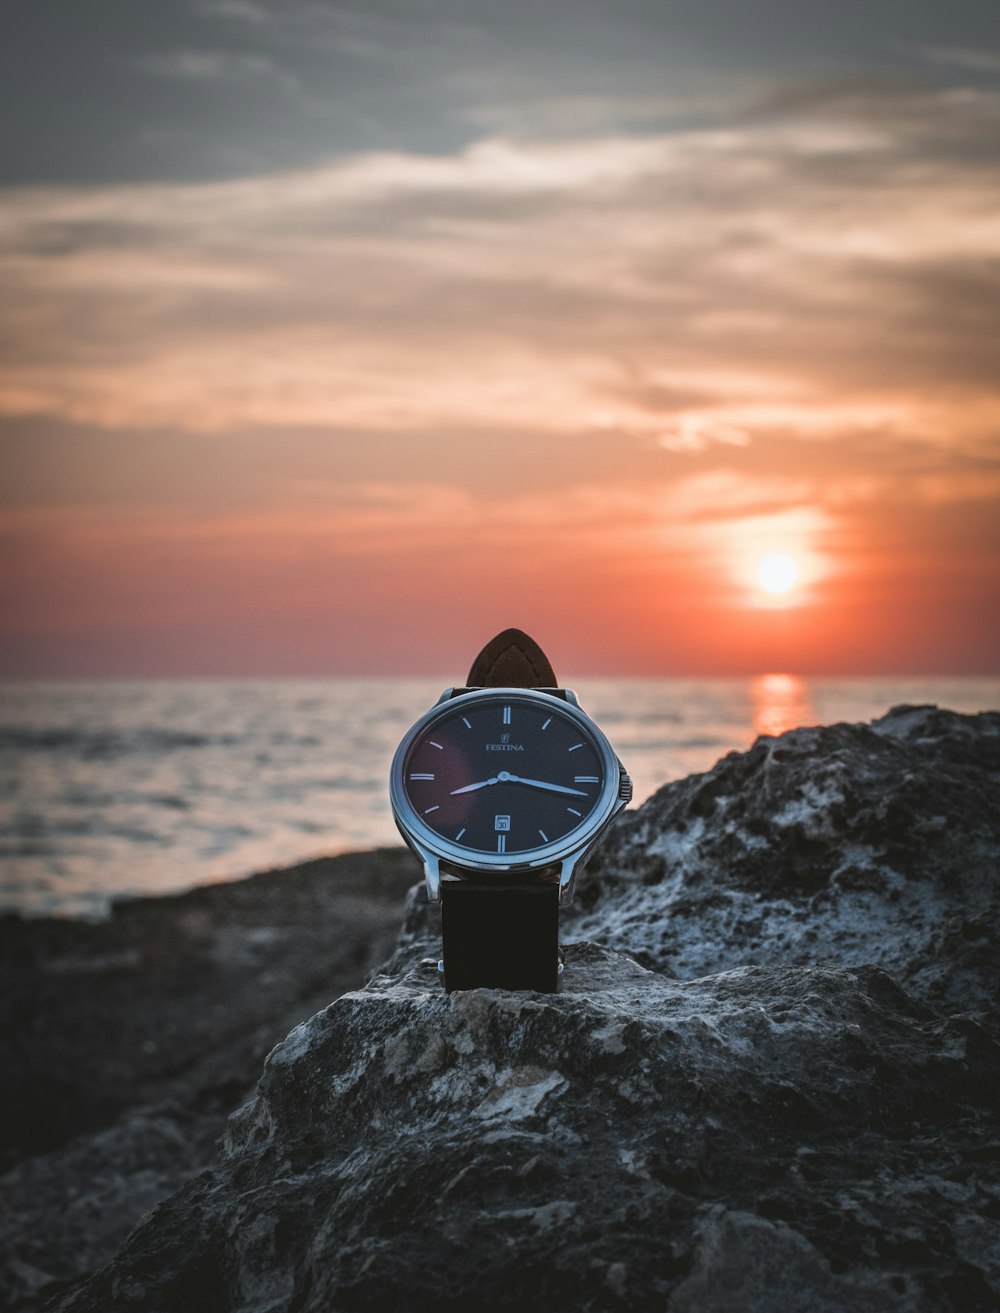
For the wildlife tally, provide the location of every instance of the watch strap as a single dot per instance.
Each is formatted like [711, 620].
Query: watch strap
[500, 936]
[503, 934]
[512, 660]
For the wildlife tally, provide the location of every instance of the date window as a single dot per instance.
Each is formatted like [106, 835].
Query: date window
[501, 822]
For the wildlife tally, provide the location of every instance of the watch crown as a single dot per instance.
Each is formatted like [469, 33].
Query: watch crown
[625, 788]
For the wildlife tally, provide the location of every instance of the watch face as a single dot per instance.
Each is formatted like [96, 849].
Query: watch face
[503, 775]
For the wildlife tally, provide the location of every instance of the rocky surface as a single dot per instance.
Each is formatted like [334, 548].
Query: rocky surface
[762, 1138]
[66, 1212]
[772, 1085]
[840, 844]
[846, 843]
[127, 1043]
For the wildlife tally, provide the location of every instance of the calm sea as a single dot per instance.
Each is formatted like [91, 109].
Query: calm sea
[155, 786]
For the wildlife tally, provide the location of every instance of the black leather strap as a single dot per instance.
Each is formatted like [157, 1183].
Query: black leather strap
[503, 934]
[500, 936]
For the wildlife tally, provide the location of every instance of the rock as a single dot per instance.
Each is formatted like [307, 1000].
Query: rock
[766, 1138]
[842, 844]
[128, 1042]
[745, 1264]
[66, 1212]
[773, 1086]
[179, 999]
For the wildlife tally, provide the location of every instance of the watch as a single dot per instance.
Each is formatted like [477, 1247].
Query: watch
[503, 790]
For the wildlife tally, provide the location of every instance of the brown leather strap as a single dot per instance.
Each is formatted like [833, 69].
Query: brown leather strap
[512, 660]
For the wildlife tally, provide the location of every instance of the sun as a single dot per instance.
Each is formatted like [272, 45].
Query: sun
[777, 573]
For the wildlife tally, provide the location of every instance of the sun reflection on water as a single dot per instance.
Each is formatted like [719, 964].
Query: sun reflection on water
[780, 702]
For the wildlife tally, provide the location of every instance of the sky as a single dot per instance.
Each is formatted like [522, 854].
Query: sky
[336, 338]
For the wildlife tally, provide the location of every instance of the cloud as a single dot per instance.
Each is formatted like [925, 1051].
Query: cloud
[234, 66]
[976, 61]
[244, 11]
[641, 359]
[695, 433]
[392, 36]
[812, 274]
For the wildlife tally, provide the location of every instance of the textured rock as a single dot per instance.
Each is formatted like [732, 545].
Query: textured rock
[773, 1087]
[66, 1212]
[630, 1141]
[841, 844]
[127, 1043]
[179, 999]
[845, 843]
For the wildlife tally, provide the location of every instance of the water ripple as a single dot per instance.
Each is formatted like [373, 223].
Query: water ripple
[152, 786]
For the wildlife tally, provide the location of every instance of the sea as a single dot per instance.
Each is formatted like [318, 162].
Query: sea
[112, 789]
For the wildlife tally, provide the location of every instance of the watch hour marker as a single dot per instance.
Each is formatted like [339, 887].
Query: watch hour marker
[574, 747]
[574, 811]
[440, 747]
[506, 715]
[585, 779]
[501, 843]
[435, 808]
[421, 775]
[460, 833]
[466, 722]
[547, 723]
[545, 837]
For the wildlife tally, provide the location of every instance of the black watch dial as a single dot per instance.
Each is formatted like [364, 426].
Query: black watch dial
[504, 775]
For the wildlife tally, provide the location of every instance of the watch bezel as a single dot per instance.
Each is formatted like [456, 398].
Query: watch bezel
[415, 830]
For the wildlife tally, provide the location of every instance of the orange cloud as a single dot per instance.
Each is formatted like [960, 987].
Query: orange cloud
[591, 376]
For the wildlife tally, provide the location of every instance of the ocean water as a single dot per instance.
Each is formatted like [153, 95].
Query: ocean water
[143, 787]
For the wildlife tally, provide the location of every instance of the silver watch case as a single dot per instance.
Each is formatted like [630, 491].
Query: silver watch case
[567, 854]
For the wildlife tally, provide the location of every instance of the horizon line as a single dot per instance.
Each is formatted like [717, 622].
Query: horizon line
[446, 680]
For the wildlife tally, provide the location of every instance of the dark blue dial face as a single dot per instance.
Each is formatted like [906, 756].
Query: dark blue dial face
[503, 776]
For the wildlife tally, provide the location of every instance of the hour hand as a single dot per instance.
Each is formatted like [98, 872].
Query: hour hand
[552, 788]
[469, 788]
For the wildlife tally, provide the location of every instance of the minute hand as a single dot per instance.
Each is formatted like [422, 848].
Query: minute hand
[543, 784]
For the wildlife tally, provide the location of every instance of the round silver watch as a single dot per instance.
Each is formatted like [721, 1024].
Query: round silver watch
[503, 790]
[496, 781]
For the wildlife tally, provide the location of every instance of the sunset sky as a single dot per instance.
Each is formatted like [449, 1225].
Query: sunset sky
[334, 338]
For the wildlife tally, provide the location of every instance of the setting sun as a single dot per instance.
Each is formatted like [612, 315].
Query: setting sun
[757, 436]
[777, 573]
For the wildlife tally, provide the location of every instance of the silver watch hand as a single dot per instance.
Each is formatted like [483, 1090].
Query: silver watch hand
[470, 787]
[542, 784]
